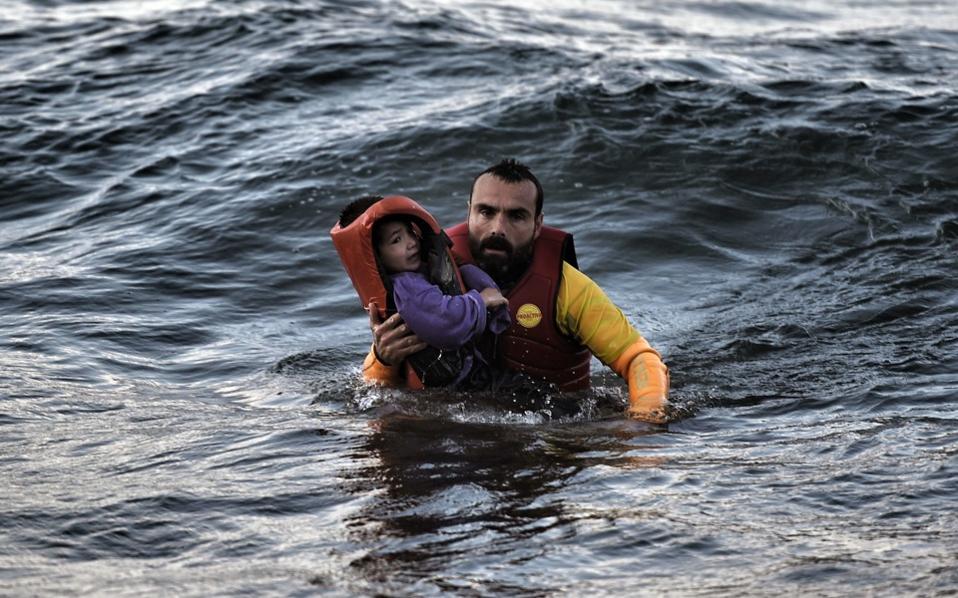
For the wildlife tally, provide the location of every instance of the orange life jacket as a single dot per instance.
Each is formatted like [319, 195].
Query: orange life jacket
[354, 244]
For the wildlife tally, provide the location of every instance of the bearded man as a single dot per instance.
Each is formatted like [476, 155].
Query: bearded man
[560, 317]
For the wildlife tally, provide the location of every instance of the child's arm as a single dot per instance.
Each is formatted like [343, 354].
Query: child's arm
[475, 278]
[498, 306]
[443, 321]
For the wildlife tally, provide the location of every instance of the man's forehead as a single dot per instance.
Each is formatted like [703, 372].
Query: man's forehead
[493, 191]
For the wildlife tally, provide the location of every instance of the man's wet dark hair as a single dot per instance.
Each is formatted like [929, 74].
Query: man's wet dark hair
[355, 209]
[512, 171]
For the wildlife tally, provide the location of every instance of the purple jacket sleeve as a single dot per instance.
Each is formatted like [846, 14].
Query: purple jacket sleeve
[477, 280]
[444, 321]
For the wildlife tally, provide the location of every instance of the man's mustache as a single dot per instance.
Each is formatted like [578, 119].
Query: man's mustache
[496, 243]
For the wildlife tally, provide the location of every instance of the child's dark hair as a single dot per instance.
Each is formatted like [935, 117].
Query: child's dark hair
[378, 227]
[356, 208]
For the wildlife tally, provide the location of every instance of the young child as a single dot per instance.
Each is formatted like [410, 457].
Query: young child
[447, 321]
[444, 321]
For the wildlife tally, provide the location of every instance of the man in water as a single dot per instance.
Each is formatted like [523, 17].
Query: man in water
[560, 316]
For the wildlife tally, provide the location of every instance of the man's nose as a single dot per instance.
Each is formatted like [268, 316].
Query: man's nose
[498, 225]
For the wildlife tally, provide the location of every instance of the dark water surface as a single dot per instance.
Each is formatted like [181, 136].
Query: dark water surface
[770, 192]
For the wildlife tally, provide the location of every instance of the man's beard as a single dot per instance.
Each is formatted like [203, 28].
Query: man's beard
[504, 269]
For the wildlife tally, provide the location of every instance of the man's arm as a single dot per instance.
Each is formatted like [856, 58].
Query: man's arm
[393, 342]
[584, 312]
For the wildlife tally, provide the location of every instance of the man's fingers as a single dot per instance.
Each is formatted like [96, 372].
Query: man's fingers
[400, 335]
[374, 319]
[410, 346]
[654, 416]
[383, 328]
[416, 346]
[392, 328]
[393, 341]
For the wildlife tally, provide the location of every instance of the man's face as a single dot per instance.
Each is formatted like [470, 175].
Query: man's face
[503, 226]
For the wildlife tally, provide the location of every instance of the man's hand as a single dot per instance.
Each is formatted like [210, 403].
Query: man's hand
[393, 341]
[650, 411]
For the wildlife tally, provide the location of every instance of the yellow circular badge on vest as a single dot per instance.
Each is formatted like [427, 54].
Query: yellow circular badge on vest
[528, 315]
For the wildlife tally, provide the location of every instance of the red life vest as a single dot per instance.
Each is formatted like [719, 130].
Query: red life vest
[533, 343]
[354, 244]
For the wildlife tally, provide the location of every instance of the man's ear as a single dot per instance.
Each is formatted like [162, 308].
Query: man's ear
[535, 235]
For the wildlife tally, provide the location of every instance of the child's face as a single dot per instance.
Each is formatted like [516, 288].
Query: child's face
[399, 248]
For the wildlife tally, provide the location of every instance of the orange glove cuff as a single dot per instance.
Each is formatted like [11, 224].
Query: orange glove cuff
[648, 380]
[377, 372]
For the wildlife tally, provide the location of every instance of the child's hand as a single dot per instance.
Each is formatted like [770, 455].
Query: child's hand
[492, 298]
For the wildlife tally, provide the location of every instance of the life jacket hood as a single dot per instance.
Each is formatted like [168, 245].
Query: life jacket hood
[357, 251]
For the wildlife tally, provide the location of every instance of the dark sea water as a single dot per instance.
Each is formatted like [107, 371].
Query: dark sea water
[768, 190]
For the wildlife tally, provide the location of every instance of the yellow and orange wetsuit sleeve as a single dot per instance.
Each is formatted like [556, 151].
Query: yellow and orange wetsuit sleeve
[584, 312]
[376, 372]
